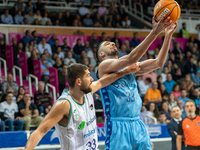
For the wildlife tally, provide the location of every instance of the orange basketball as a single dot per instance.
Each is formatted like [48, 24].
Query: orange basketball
[169, 8]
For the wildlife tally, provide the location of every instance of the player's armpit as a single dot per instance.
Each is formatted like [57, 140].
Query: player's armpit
[60, 109]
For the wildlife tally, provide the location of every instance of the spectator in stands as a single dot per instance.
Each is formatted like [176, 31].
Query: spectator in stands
[169, 83]
[58, 64]
[191, 68]
[41, 6]
[62, 78]
[55, 55]
[198, 31]
[38, 16]
[45, 68]
[135, 41]
[165, 109]
[29, 112]
[103, 37]
[36, 22]
[83, 55]
[36, 37]
[6, 18]
[143, 86]
[159, 81]
[172, 126]
[169, 65]
[27, 38]
[30, 62]
[60, 53]
[153, 94]
[122, 51]
[180, 105]
[92, 73]
[153, 111]
[103, 11]
[8, 90]
[86, 61]
[46, 20]
[93, 41]
[88, 22]
[188, 48]
[176, 91]
[162, 118]
[177, 50]
[19, 18]
[65, 48]
[30, 49]
[171, 101]
[44, 46]
[55, 45]
[61, 19]
[25, 20]
[92, 10]
[48, 57]
[88, 49]
[52, 39]
[151, 75]
[20, 94]
[19, 6]
[42, 99]
[128, 48]
[98, 22]
[164, 74]
[68, 18]
[121, 10]
[183, 32]
[181, 61]
[15, 52]
[117, 22]
[83, 10]
[9, 113]
[30, 17]
[196, 97]
[3, 48]
[78, 48]
[29, 6]
[116, 39]
[126, 23]
[69, 58]
[163, 92]
[187, 83]
[183, 96]
[143, 114]
[9, 82]
[2, 125]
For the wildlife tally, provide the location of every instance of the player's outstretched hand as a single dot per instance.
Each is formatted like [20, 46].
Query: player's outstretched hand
[170, 29]
[133, 68]
[160, 26]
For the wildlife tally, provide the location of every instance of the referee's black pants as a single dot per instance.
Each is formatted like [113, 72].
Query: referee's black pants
[192, 147]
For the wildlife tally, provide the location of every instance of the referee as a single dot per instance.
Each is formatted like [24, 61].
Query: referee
[190, 127]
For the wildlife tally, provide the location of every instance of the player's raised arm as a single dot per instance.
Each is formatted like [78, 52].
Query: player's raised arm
[60, 109]
[110, 78]
[152, 64]
[111, 65]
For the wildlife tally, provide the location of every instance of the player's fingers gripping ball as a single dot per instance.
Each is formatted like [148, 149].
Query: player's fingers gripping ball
[168, 8]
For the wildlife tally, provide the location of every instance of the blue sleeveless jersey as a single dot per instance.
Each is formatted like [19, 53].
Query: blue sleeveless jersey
[121, 98]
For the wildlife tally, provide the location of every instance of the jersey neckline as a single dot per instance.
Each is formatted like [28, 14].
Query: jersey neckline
[74, 99]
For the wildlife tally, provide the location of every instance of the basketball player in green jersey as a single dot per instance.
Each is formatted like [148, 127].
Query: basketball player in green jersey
[73, 114]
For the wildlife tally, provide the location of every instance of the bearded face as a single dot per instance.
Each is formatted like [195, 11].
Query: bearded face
[85, 88]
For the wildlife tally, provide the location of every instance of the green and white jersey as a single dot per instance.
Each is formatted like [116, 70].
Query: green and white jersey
[81, 131]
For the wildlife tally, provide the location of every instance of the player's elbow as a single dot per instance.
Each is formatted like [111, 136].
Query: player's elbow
[159, 64]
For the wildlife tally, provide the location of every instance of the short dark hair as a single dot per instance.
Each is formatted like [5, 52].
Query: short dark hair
[75, 71]
[148, 79]
[42, 55]
[27, 31]
[162, 113]
[33, 32]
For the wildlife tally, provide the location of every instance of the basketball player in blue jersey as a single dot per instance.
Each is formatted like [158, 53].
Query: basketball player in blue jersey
[121, 101]
[73, 114]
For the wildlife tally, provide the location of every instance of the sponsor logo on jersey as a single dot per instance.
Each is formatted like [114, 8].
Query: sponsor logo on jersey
[89, 133]
[91, 106]
[76, 117]
[91, 121]
[74, 111]
[198, 123]
[187, 126]
[81, 126]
